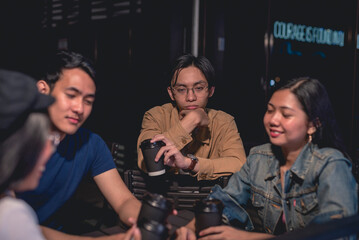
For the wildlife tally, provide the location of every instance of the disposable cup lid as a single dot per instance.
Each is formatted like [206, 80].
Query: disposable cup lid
[157, 200]
[209, 206]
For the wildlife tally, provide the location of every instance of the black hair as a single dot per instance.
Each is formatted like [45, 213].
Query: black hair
[315, 101]
[187, 60]
[66, 60]
[20, 151]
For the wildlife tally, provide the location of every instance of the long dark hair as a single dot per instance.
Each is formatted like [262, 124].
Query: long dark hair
[315, 101]
[20, 151]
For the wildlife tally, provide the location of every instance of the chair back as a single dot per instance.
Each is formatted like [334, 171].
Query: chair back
[181, 190]
[119, 156]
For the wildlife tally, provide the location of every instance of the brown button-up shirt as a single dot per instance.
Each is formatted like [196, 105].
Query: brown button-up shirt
[218, 147]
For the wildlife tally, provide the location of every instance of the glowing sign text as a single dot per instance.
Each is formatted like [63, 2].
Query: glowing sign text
[308, 34]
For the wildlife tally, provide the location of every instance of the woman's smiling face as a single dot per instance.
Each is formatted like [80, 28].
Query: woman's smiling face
[285, 121]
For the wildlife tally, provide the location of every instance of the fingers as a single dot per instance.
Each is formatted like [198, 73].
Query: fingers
[180, 234]
[160, 137]
[184, 233]
[133, 233]
[132, 220]
[137, 234]
[210, 230]
[174, 212]
[159, 154]
[168, 153]
[164, 149]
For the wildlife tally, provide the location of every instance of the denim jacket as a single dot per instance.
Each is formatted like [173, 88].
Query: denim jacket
[318, 187]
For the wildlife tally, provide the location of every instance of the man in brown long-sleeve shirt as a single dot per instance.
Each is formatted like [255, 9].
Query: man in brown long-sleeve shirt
[202, 141]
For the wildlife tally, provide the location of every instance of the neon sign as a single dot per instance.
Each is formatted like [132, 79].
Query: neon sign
[303, 33]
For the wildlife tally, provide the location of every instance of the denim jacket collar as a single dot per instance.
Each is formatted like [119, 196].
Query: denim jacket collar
[304, 160]
[300, 166]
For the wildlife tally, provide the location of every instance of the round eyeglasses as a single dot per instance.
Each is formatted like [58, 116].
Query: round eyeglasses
[197, 90]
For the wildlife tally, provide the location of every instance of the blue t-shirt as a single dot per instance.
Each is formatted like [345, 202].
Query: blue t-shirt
[76, 156]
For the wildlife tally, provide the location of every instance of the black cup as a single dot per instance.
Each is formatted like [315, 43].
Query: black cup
[208, 213]
[152, 230]
[155, 207]
[149, 152]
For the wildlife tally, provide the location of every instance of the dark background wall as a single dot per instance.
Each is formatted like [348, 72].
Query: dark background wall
[132, 44]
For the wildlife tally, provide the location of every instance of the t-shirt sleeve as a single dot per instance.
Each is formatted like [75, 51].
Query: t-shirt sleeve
[103, 160]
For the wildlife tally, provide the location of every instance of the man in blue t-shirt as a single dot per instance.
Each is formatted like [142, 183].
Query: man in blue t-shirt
[70, 78]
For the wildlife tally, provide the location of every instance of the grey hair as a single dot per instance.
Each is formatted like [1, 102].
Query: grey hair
[20, 151]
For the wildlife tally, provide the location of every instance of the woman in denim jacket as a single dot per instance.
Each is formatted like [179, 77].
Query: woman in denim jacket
[302, 176]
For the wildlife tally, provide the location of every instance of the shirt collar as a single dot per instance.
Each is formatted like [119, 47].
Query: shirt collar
[304, 161]
[300, 166]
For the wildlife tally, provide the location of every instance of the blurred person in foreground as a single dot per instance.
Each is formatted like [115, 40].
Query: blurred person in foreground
[302, 176]
[26, 144]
